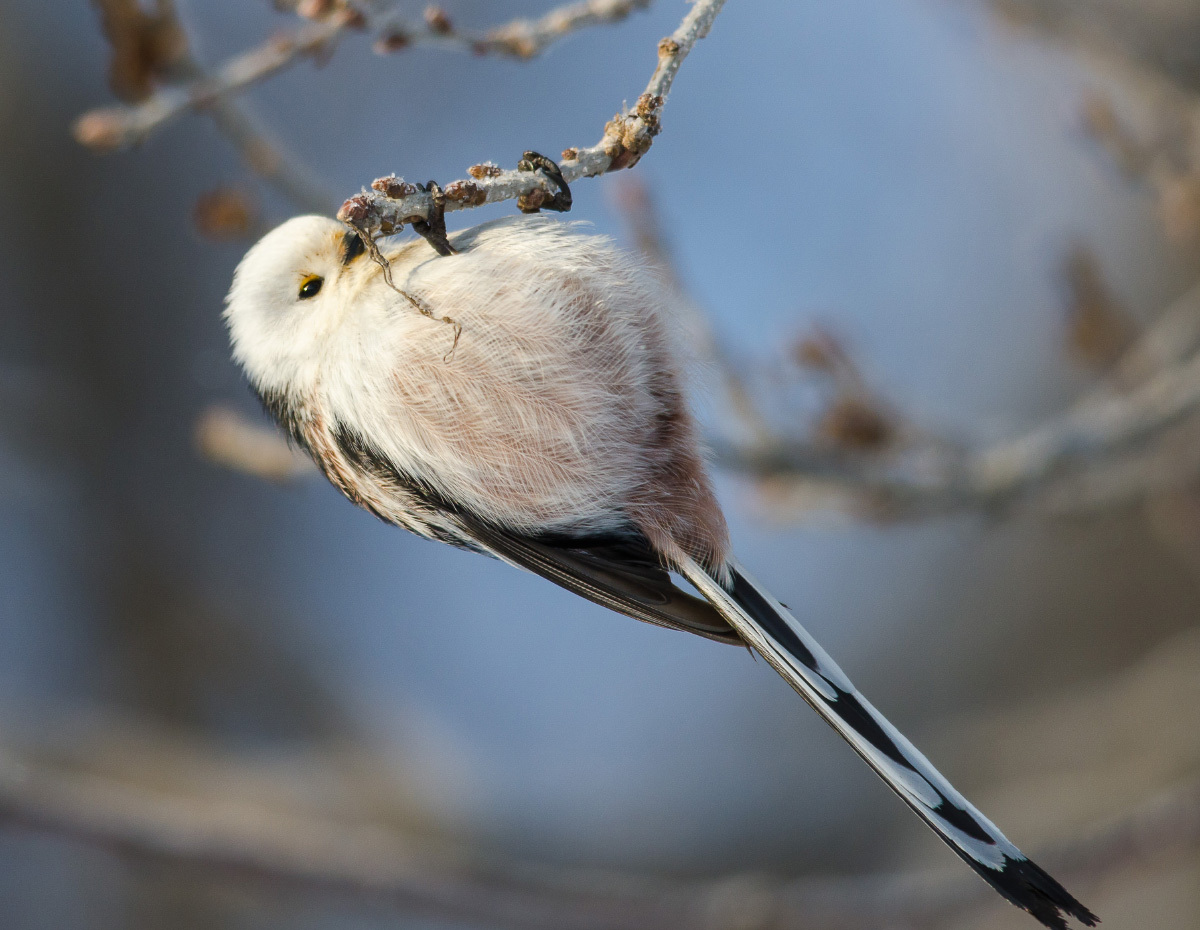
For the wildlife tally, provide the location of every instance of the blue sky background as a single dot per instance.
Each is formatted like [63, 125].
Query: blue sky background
[905, 172]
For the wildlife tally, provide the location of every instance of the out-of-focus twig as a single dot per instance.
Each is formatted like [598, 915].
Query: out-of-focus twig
[1096, 426]
[119, 127]
[1100, 429]
[1098, 330]
[637, 207]
[228, 439]
[1147, 53]
[225, 213]
[855, 420]
[1171, 464]
[175, 66]
[391, 202]
[521, 38]
[146, 43]
[234, 835]
[1173, 337]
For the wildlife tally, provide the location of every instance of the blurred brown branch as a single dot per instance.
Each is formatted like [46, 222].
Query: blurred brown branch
[146, 795]
[229, 439]
[864, 458]
[119, 127]
[152, 50]
[1137, 48]
[636, 204]
[1097, 431]
[521, 38]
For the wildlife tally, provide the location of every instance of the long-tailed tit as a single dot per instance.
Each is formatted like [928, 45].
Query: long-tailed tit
[552, 435]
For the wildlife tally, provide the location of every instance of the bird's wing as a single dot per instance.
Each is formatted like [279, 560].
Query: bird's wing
[624, 576]
[773, 632]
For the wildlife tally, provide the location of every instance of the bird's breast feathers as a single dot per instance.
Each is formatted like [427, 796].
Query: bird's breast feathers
[537, 417]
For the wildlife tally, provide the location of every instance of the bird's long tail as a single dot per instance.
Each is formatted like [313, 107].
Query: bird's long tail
[772, 631]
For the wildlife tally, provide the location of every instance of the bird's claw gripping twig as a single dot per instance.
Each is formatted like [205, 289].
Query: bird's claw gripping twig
[539, 199]
[433, 229]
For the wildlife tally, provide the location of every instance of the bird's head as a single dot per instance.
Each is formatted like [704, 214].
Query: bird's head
[288, 295]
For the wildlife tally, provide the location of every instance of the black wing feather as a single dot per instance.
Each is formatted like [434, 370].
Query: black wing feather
[622, 576]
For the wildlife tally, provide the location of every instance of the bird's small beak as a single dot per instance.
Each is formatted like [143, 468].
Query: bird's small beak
[351, 247]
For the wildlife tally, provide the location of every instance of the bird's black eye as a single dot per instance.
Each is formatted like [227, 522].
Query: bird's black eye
[311, 286]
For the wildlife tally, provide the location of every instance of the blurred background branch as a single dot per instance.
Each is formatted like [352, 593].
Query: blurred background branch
[154, 69]
[146, 46]
[253, 752]
[225, 437]
[146, 794]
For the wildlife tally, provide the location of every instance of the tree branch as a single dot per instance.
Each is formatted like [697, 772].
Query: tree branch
[391, 203]
[229, 439]
[1058, 461]
[135, 74]
[637, 206]
[265, 156]
[119, 127]
[230, 834]
[526, 38]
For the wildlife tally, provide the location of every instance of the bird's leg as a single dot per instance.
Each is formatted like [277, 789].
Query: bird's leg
[538, 199]
[433, 230]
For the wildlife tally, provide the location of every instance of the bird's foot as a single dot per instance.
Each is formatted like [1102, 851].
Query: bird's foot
[433, 229]
[538, 198]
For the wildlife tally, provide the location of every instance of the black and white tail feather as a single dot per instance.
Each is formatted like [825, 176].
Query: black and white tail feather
[773, 632]
[627, 577]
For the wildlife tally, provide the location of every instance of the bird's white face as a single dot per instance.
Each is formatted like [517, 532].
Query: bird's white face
[287, 296]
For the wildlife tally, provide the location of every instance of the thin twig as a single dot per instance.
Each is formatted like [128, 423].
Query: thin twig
[226, 438]
[1095, 427]
[119, 127]
[230, 837]
[1174, 335]
[527, 38]
[391, 203]
[638, 208]
[264, 155]
[1118, 40]
[234, 837]
[151, 49]
[1162, 381]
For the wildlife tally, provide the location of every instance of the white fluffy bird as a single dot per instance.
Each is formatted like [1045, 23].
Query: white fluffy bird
[552, 435]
